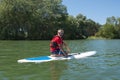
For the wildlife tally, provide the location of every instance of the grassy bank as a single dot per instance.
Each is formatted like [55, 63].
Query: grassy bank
[94, 37]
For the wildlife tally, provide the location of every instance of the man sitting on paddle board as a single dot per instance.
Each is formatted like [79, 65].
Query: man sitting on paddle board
[57, 44]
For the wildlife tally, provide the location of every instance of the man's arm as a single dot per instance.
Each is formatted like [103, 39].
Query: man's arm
[66, 46]
[62, 49]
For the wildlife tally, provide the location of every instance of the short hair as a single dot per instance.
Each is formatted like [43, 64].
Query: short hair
[59, 30]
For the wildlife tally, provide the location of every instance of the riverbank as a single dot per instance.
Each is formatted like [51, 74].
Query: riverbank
[94, 37]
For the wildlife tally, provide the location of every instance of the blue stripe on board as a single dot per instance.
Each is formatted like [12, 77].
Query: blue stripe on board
[39, 58]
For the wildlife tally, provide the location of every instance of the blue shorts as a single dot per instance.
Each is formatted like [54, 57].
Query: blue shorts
[57, 52]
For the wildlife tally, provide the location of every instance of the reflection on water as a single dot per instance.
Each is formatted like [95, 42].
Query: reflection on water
[57, 68]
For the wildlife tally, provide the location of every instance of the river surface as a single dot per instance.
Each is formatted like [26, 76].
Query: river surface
[105, 65]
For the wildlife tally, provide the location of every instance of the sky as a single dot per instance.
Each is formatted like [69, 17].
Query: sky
[97, 10]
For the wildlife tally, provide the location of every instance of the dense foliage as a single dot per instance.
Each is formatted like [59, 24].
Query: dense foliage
[111, 29]
[40, 19]
[30, 19]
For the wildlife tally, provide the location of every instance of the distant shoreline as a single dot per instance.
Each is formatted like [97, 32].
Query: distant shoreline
[94, 37]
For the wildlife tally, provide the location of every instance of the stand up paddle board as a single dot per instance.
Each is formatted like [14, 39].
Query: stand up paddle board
[41, 59]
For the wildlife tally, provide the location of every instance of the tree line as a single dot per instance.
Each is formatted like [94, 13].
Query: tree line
[111, 29]
[40, 19]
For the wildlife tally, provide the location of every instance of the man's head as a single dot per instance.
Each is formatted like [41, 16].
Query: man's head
[60, 32]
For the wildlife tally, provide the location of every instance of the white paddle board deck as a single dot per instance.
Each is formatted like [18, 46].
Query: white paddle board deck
[40, 59]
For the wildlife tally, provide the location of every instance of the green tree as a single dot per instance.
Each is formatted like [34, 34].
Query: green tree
[15, 15]
[30, 19]
[111, 29]
[70, 28]
[86, 27]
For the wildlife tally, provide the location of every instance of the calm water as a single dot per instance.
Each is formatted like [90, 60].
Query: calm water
[105, 65]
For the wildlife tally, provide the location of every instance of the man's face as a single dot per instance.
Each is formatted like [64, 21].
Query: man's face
[61, 33]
